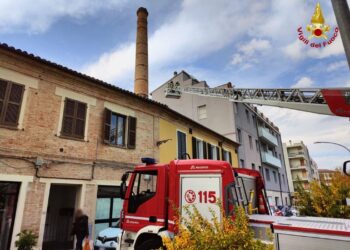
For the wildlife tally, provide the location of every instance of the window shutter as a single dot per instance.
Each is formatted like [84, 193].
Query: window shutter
[205, 150]
[80, 119]
[210, 155]
[131, 132]
[229, 154]
[218, 152]
[74, 116]
[3, 87]
[194, 148]
[10, 102]
[107, 125]
[68, 117]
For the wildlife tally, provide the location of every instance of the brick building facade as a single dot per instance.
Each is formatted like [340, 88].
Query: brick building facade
[65, 141]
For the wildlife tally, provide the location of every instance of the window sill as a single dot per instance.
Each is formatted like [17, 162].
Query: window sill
[72, 138]
[116, 146]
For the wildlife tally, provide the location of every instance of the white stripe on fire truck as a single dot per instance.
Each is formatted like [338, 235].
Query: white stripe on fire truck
[147, 219]
[141, 218]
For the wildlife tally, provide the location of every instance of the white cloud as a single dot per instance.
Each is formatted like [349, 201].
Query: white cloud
[249, 52]
[303, 82]
[297, 50]
[337, 66]
[37, 16]
[199, 29]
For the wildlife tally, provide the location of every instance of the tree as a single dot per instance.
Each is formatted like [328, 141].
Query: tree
[325, 201]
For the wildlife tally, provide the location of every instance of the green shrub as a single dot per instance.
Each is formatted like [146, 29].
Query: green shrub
[26, 241]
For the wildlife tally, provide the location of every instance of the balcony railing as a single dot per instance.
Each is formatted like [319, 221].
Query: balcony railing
[270, 159]
[296, 154]
[298, 168]
[265, 134]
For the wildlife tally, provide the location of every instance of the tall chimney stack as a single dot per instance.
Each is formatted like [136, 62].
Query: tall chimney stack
[141, 63]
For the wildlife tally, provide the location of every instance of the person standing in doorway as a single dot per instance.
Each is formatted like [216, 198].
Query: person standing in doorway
[80, 228]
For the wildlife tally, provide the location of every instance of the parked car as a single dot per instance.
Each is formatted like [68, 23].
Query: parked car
[275, 211]
[108, 239]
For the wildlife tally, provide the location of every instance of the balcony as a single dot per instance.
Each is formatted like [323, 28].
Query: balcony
[299, 154]
[271, 160]
[298, 168]
[265, 134]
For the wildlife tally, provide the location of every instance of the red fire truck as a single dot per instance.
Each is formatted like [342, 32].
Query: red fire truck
[154, 190]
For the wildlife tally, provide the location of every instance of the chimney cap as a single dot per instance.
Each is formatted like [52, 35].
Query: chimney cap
[142, 9]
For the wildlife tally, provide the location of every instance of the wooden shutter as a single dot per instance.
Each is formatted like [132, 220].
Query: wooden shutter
[131, 132]
[74, 116]
[194, 148]
[107, 125]
[205, 156]
[11, 95]
[3, 88]
[210, 155]
[230, 157]
[80, 119]
[218, 152]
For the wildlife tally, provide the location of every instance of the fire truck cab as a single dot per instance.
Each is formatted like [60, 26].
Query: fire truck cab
[155, 190]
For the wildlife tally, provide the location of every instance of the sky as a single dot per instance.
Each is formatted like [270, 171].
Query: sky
[249, 43]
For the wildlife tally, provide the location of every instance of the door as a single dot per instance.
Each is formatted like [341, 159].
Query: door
[8, 203]
[59, 217]
[145, 202]
[108, 207]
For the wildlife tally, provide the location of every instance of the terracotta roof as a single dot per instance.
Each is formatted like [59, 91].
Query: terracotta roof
[100, 83]
[326, 171]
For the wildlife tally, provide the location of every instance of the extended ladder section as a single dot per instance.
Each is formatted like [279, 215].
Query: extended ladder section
[321, 101]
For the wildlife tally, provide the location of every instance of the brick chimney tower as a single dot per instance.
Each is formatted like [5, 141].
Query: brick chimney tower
[141, 62]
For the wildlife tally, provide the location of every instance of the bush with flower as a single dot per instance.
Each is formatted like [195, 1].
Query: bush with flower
[196, 232]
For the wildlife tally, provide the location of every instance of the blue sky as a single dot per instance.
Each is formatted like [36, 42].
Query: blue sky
[249, 43]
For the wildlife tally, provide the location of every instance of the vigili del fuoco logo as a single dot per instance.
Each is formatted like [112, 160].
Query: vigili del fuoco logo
[318, 33]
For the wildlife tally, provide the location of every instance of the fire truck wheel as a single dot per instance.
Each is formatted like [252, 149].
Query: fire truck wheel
[151, 244]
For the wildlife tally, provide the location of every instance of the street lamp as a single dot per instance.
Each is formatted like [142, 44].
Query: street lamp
[340, 145]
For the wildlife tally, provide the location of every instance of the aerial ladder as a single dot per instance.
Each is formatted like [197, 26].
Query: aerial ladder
[325, 101]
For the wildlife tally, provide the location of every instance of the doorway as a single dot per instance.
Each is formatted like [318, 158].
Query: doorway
[59, 217]
[8, 204]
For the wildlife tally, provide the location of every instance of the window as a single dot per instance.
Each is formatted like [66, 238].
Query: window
[144, 188]
[257, 145]
[226, 156]
[199, 149]
[254, 120]
[284, 182]
[247, 115]
[242, 163]
[108, 207]
[267, 174]
[115, 132]
[239, 134]
[274, 176]
[213, 152]
[11, 95]
[181, 145]
[253, 166]
[250, 142]
[277, 201]
[74, 116]
[202, 112]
